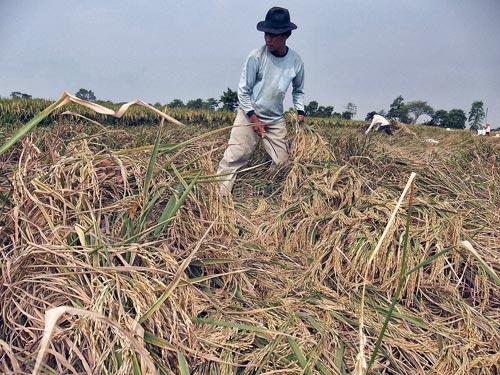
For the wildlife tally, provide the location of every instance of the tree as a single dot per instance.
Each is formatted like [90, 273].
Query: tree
[86, 95]
[176, 103]
[418, 108]
[211, 104]
[229, 100]
[398, 110]
[324, 111]
[351, 107]
[195, 104]
[315, 110]
[347, 115]
[395, 107]
[439, 118]
[329, 111]
[19, 95]
[455, 119]
[311, 108]
[476, 115]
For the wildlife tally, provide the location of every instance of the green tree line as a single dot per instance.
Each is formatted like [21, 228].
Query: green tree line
[406, 112]
[456, 118]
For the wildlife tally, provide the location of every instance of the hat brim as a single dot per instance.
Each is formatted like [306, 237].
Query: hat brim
[264, 27]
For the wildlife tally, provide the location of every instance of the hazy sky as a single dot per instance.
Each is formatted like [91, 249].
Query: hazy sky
[446, 52]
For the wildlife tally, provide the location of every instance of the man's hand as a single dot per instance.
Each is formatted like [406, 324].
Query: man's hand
[257, 125]
[300, 119]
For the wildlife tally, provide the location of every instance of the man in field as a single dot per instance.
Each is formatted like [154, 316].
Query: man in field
[487, 129]
[379, 123]
[266, 77]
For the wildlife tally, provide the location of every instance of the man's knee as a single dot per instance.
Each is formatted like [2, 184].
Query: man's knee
[237, 153]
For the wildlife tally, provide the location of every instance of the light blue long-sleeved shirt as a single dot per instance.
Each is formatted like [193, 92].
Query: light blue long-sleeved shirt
[265, 80]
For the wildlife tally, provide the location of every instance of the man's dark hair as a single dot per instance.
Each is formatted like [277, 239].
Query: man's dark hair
[288, 33]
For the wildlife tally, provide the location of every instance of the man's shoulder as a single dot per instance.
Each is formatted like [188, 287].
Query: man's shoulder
[258, 52]
[294, 55]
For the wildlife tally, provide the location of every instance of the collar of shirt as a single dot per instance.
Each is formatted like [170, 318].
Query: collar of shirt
[276, 55]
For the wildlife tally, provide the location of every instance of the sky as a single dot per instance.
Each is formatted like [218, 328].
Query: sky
[446, 52]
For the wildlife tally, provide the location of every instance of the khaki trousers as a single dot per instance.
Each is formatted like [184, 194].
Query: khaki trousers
[241, 144]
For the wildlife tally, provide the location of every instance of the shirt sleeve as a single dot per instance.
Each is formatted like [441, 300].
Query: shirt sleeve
[247, 82]
[298, 89]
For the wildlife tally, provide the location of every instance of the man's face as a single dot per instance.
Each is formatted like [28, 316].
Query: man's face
[275, 42]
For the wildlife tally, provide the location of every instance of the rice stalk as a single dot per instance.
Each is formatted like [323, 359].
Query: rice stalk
[286, 257]
[53, 315]
[361, 365]
[402, 280]
[67, 98]
[175, 281]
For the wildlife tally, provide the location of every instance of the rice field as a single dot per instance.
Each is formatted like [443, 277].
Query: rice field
[118, 255]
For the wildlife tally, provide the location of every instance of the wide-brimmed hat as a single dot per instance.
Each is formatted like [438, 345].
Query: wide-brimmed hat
[277, 21]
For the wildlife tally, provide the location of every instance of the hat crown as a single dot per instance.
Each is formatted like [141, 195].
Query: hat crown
[278, 16]
[277, 21]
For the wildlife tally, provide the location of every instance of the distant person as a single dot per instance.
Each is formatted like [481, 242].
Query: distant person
[487, 129]
[379, 123]
[266, 77]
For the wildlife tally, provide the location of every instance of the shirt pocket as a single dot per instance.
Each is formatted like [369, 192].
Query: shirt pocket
[285, 80]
